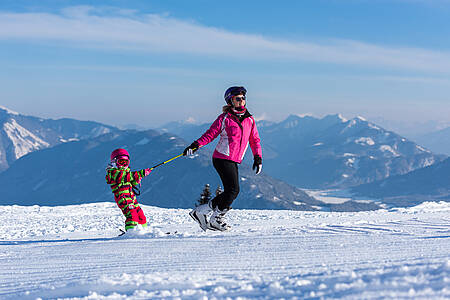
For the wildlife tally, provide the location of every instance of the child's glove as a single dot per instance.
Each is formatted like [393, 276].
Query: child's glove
[147, 171]
[257, 164]
[111, 165]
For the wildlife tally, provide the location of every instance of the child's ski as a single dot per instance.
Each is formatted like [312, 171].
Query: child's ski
[171, 232]
[122, 232]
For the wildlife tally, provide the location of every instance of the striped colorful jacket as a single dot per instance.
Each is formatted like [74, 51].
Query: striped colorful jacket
[122, 181]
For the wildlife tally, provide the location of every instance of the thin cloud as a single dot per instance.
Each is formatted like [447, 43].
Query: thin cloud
[426, 80]
[127, 30]
[189, 72]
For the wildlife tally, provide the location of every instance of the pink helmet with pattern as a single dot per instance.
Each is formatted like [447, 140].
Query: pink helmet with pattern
[120, 153]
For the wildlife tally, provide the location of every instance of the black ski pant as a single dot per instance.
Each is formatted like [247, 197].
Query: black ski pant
[228, 172]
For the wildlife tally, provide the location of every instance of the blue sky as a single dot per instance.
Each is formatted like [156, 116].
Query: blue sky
[150, 62]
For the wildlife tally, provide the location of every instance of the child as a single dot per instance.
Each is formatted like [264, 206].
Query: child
[122, 181]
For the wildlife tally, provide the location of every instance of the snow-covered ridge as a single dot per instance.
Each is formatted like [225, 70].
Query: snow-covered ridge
[72, 252]
[379, 153]
[365, 141]
[68, 140]
[97, 131]
[387, 148]
[25, 134]
[11, 112]
[23, 140]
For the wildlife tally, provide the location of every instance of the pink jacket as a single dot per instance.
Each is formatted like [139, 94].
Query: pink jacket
[234, 137]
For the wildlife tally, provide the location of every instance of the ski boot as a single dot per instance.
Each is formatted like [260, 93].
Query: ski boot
[200, 214]
[217, 221]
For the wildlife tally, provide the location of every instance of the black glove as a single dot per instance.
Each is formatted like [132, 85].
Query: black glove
[257, 164]
[191, 149]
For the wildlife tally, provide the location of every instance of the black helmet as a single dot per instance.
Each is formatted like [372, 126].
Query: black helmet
[234, 91]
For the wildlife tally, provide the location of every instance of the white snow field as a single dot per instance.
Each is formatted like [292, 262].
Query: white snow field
[72, 252]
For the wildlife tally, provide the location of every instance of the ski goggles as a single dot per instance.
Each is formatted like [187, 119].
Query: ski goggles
[239, 98]
[122, 162]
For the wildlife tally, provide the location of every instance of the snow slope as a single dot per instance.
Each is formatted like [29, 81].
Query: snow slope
[72, 252]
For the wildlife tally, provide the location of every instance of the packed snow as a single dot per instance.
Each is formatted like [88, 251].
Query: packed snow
[73, 252]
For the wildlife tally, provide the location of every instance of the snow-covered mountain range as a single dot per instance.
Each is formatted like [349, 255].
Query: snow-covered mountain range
[302, 151]
[427, 184]
[20, 134]
[76, 170]
[330, 152]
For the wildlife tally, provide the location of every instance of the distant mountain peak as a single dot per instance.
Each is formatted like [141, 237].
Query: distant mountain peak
[341, 117]
[358, 119]
[307, 115]
[361, 118]
[8, 111]
[337, 118]
[21, 134]
[190, 120]
[357, 122]
[332, 118]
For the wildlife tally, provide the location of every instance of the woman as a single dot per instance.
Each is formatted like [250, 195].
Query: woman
[237, 130]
